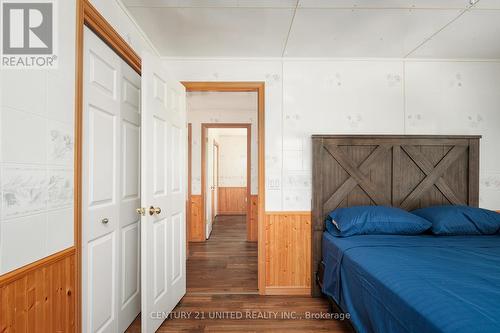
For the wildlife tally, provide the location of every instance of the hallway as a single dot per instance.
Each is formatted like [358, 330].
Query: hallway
[226, 262]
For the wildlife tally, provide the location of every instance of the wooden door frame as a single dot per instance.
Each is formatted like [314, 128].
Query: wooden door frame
[88, 16]
[204, 132]
[258, 87]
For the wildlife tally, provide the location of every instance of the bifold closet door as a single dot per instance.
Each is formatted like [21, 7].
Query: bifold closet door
[164, 179]
[111, 190]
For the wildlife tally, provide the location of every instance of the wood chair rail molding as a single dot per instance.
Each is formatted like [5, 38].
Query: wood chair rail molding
[14, 275]
[40, 297]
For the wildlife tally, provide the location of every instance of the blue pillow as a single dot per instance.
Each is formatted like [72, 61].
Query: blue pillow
[460, 220]
[370, 220]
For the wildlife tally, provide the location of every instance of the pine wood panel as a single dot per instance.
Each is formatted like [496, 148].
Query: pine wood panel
[41, 298]
[232, 200]
[196, 225]
[252, 225]
[288, 252]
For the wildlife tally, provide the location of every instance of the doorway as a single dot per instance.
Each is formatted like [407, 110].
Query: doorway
[233, 171]
[226, 261]
[224, 230]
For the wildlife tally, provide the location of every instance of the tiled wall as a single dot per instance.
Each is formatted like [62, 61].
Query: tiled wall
[305, 97]
[36, 155]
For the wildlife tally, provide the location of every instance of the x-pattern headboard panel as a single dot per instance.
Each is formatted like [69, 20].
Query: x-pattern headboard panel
[408, 172]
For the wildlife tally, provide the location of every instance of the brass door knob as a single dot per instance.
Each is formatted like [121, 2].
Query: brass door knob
[141, 211]
[154, 210]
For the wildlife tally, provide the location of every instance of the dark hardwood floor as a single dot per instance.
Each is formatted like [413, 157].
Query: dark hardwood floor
[250, 308]
[226, 262]
[222, 292]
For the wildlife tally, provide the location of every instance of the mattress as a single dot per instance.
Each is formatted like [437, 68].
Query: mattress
[420, 284]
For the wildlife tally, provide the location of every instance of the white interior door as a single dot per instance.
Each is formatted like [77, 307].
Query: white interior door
[164, 178]
[111, 190]
[129, 260]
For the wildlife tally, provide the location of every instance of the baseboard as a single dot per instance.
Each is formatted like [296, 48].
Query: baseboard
[292, 291]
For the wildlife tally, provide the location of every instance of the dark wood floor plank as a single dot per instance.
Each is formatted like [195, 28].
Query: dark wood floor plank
[226, 262]
[222, 281]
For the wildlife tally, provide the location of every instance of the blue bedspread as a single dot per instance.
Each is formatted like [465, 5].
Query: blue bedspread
[421, 284]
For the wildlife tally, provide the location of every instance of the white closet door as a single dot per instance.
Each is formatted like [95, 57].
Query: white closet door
[101, 133]
[164, 177]
[129, 246]
[111, 190]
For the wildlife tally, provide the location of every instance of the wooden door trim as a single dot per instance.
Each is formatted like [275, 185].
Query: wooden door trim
[258, 87]
[98, 24]
[204, 131]
[88, 15]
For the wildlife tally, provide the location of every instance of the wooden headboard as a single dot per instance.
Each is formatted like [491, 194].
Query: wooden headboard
[404, 171]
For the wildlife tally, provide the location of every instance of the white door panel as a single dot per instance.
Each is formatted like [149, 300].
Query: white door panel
[129, 242]
[100, 174]
[164, 144]
[111, 190]
[102, 284]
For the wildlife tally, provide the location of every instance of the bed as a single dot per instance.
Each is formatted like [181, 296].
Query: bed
[391, 283]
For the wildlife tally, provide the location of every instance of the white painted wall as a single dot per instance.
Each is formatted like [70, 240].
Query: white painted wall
[36, 154]
[233, 160]
[220, 115]
[360, 97]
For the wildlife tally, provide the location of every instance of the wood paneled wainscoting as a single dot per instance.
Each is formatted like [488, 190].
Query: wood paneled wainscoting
[40, 297]
[196, 225]
[288, 253]
[232, 201]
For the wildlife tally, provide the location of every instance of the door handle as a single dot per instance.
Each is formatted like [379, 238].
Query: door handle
[154, 210]
[141, 211]
[105, 220]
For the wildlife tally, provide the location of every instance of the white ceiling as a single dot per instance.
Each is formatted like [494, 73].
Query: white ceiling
[321, 28]
[221, 101]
